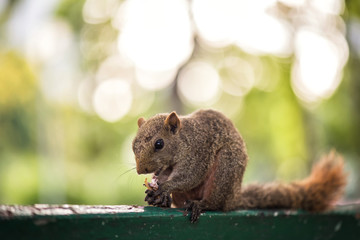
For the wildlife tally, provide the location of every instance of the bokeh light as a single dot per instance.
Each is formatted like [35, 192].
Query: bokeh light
[328, 6]
[115, 66]
[318, 69]
[278, 35]
[199, 84]
[216, 20]
[112, 99]
[84, 95]
[49, 41]
[155, 80]
[238, 76]
[293, 3]
[156, 34]
[99, 11]
[246, 23]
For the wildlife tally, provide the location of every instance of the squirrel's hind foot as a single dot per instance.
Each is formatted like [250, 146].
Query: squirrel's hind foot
[195, 209]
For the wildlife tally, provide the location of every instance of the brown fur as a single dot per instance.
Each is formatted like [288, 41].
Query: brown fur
[203, 161]
[318, 192]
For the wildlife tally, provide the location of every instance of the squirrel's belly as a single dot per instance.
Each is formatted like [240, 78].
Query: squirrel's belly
[202, 191]
[181, 198]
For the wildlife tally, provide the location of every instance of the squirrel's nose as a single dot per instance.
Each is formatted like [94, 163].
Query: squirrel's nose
[140, 169]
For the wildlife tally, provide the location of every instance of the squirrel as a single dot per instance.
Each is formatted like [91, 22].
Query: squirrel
[199, 162]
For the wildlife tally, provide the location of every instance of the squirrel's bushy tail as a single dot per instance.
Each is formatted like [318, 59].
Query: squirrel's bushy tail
[318, 192]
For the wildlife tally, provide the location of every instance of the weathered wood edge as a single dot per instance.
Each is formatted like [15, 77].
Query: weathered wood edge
[67, 210]
[42, 221]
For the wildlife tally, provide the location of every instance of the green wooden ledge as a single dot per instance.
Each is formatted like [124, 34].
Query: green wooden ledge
[43, 221]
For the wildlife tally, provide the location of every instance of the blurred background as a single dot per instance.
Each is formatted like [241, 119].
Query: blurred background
[75, 75]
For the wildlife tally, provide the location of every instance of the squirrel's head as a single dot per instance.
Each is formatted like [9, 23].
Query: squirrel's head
[156, 142]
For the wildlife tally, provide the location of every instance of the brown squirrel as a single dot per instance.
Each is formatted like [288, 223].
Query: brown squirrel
[199, 162]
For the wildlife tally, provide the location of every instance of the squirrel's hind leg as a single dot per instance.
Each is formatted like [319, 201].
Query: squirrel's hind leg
[223, 181]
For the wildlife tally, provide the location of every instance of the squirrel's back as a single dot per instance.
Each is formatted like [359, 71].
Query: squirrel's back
[212, 121]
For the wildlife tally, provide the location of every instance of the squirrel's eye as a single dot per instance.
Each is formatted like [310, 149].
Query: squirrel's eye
[159, 144]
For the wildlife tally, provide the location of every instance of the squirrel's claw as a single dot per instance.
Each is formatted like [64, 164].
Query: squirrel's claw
[195, 210]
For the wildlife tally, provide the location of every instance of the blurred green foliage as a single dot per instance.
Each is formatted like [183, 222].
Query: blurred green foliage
[55, 152]
[71, 10]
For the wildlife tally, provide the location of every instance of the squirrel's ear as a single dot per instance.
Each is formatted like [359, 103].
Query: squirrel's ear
[141, 121]
[172, 122]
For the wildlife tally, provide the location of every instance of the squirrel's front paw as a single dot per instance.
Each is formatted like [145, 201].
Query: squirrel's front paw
[149, 196]
[158, 198]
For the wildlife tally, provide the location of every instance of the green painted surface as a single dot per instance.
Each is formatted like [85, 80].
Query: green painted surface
[129, 222]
